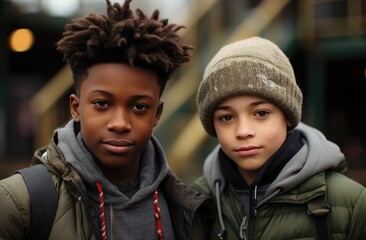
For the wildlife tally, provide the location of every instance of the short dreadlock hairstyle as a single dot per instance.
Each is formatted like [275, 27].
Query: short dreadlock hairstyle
[123, 37]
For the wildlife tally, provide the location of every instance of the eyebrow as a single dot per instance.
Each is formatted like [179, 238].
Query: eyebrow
[259, 103]
[102, 92]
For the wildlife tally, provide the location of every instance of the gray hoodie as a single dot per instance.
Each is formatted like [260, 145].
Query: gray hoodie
[123, 215]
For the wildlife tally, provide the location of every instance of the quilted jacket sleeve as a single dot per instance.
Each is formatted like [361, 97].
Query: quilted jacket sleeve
[14, 208]
[357, 221]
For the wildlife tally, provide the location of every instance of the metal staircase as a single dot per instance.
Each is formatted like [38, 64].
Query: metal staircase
[209, 28]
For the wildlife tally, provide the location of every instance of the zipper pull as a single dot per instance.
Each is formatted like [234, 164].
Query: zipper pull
[254, 202]
[243, 228]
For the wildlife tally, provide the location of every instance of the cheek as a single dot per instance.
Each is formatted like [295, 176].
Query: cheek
[224, 137]
[145, 127]
[220, 130]
[276, 136]
[91, 127]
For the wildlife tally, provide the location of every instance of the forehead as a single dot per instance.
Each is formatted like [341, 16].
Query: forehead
[119, 77]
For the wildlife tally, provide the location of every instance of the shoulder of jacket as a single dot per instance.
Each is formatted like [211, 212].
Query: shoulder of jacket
[341, 186]
[53, 158]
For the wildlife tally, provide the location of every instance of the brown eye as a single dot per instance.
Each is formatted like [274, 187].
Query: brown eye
[140, 107]
[225, 118]
[101, 103]
[261, 113]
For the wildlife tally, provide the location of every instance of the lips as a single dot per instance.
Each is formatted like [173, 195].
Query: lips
[117, 146]
[247, 151]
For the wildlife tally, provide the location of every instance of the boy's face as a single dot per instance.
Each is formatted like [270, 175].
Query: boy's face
[118, 108]
[250, 130]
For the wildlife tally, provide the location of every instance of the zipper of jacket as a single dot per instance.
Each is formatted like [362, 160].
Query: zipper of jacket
[248, 223]
[243, 229]
[253, 201]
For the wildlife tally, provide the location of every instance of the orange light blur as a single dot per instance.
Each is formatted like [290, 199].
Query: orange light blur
[21, 40]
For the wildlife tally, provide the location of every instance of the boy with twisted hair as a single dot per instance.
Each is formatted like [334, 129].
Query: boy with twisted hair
[110, 172]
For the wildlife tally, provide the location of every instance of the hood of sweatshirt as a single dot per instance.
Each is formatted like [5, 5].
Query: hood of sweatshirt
[153, 167]
[126, 211]
[316, 155]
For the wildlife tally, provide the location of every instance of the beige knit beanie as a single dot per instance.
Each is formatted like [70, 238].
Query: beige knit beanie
[253, 66]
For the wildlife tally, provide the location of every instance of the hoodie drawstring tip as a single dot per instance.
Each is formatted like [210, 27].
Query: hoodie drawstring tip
[222, 235]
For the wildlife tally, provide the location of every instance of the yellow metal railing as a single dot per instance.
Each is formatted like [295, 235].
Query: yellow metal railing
[320, 19]
[43, 105]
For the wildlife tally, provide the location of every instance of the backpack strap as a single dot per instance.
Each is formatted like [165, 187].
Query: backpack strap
[43, 198]
[319, 209]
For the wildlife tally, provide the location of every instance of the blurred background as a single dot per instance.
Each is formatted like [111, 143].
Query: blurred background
[325, 41]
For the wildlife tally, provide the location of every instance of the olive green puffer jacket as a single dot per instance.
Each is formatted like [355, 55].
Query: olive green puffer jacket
[278, 210]
[285, 216]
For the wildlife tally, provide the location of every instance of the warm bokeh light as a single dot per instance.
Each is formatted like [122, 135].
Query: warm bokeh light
[21, 40]
[64, 8]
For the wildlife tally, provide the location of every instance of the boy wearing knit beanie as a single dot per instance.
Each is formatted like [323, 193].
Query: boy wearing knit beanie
[271, 176]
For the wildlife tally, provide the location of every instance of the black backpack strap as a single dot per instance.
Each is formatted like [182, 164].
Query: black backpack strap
[319, 209]
[43, 197]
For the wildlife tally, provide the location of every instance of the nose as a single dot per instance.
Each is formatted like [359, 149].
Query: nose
[244, 128]
[120, 121]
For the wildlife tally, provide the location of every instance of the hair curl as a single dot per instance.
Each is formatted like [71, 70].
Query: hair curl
[123, 37]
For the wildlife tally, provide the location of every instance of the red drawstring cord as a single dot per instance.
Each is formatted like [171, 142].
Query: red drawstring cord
[101, 211]
[102, 217]
[157, 216]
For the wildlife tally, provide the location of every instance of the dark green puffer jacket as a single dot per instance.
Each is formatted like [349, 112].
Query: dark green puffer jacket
[318, 169]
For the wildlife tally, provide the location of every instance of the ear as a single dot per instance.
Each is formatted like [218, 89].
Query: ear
[288, 124]
[75, 107]
[159, 111]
